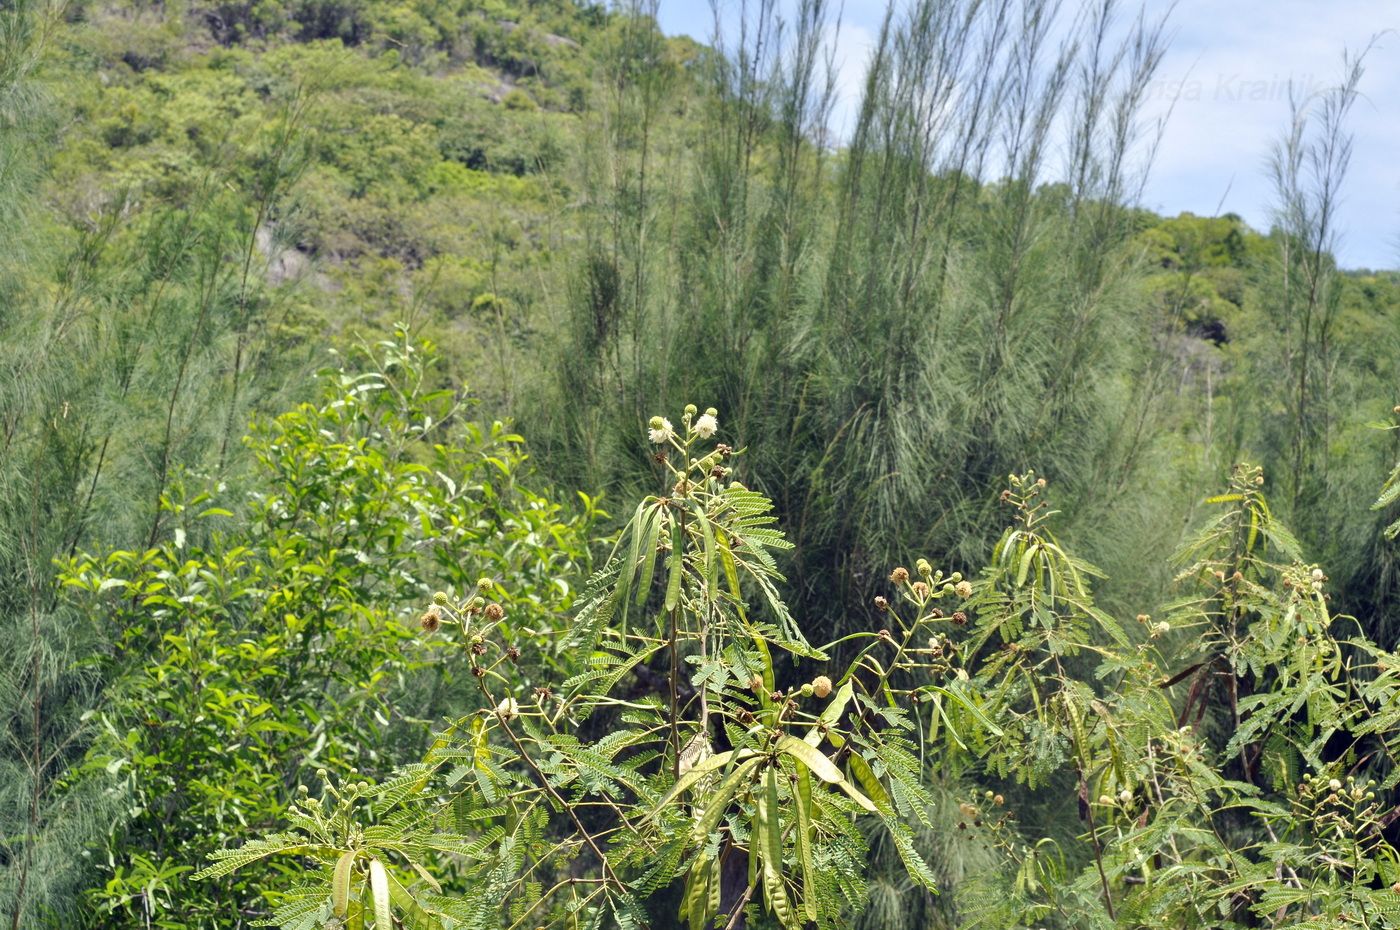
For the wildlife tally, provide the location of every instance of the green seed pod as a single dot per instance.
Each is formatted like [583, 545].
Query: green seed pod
[340, 884]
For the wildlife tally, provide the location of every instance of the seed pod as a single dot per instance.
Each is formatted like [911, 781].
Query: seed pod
[340, 884]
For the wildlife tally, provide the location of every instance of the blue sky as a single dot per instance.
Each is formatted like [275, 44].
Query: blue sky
[1225, 79]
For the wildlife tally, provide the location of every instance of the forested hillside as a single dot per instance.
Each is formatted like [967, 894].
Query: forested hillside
[345, 483]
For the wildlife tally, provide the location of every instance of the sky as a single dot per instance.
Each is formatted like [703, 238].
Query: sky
[1224, 88]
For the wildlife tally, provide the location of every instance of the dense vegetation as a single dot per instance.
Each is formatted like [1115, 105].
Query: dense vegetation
[284, 283]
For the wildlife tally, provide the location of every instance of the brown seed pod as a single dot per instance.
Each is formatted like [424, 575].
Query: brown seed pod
[431, 620]
[959, 618]
[899, 575]
[881, 604]
[495, 611]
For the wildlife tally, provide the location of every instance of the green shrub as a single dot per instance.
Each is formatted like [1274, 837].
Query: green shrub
[252, 648]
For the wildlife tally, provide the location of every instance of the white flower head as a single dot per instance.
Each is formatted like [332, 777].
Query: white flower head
[706, 426]
[508, 709]
[660, 430]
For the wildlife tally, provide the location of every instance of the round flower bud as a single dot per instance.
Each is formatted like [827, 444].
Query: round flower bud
[963, 589]
[656, 422]
[484, 584]
[807, 690]
[1125, 796]
[821, 686]
[711, 412]
[1105, 800]
[440, 598]
[924, 568]
[690, 410]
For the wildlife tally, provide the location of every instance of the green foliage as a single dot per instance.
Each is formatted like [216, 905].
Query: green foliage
[718, 762]
[277, 634]
[196, 200]
[1225, 760]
